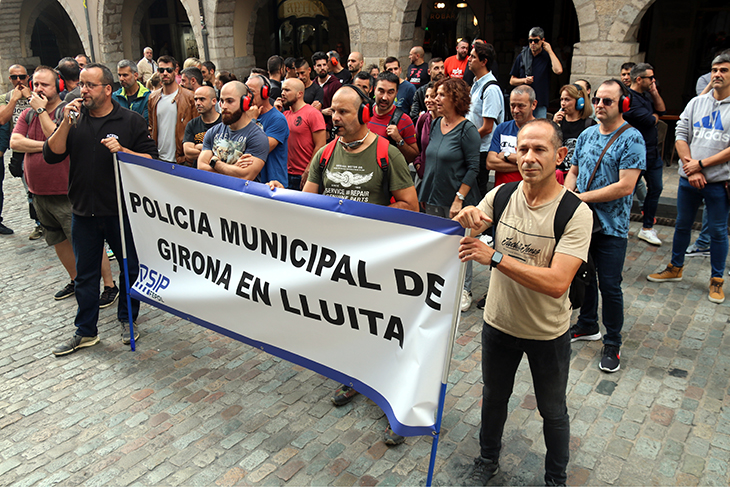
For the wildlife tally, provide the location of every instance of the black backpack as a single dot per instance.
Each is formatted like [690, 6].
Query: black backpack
[566, 208]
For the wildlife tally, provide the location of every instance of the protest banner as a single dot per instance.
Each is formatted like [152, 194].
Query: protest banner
[363, 294]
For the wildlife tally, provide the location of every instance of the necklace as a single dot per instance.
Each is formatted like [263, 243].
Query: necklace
[354, 144]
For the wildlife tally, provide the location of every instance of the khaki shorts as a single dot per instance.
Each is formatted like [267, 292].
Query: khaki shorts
[54, 213]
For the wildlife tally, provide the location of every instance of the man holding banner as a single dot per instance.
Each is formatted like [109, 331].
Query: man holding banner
[100, 127]
[351, 171]
[528, 307]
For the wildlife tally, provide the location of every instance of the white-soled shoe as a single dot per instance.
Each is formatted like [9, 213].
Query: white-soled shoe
[465, 299]
[649, 236]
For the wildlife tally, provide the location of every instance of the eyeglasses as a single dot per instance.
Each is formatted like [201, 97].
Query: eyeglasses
[16, 77]
[534, 41]
[650, 78]
[165, 70]
[607, 102]
[91, 86]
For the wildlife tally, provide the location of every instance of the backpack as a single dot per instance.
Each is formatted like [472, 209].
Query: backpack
[566, 208]
[394, 120]
[382, 158]
[30, 114]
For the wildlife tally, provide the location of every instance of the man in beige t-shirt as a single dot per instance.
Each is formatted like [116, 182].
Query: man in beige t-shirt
[528, 308]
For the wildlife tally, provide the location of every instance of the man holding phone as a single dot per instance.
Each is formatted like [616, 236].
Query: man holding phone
[12, 104]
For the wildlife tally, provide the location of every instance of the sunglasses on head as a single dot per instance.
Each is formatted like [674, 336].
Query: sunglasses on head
[607, 102]
[16, 77]
[534, 41]
[165, 70]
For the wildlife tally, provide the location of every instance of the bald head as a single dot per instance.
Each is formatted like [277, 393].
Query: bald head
[234, 88]
[346, 96]
[206, 91]
[293, 84]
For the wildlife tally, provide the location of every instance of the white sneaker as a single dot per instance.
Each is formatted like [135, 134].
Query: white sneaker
[649, 236]
[465, 300]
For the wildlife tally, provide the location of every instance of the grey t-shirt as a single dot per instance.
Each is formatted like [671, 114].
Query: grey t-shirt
[166, 119]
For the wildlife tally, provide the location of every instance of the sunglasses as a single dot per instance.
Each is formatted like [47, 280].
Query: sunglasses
[16, 77]
[647, 77]
[607, 102]
[534, 41]
[165, 70]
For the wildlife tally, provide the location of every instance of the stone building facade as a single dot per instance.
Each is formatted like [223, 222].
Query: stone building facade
[606, 30]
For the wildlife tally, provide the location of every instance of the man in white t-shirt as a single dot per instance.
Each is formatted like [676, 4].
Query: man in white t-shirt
[170, 109]
[528, 306]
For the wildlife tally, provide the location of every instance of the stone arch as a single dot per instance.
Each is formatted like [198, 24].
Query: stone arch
[41, 5]
[607, 37]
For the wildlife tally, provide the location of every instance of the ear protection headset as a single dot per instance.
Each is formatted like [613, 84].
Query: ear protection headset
[333, 58]
[624, 101]
[580, 102]
[265, 86]
[246, 101]
[365, 111]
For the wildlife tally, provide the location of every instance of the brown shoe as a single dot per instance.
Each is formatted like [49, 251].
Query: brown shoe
[671, 273]
[716, 294]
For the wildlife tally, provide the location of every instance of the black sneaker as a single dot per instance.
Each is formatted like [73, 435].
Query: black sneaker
[484, 469]
[343, 395]
[70, 346]
[108, 296]
[126, 336]
[611, 360]
[5, 230]
[391, 438]
[482, 302]
[577, 333]
[68, 291]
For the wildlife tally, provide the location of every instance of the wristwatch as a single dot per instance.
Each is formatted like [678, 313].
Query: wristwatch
[496, 259]
[460, 196]
[401, 142]
[40, 110]
[212, 162]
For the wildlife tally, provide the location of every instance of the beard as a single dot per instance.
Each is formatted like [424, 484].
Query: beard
[322, 75]
[231, 118]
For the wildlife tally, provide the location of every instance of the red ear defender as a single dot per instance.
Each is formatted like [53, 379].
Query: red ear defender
[365, 113]
[265, 86]
[624, 103]
[245, 102]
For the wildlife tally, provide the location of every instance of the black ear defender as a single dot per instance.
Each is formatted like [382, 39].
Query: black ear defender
[365, 111]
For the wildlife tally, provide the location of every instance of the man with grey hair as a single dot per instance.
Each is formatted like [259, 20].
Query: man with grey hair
[531, 68]
[502, 156]
[133, 95]
[146, 66]
[646, 107]
[703, 145]
[191, 78]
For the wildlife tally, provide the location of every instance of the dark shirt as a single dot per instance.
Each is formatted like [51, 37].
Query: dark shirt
[541, 69]
[345, 76]
[641, 117]
[418, 75]
[313, 93]
[196, 128]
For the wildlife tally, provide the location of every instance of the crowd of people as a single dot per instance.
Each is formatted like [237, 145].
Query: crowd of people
[424, 138]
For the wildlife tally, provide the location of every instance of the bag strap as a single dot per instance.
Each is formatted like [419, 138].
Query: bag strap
[324, 160]
[382, 156]
[618, 133]
[489, 83]
[504, 193]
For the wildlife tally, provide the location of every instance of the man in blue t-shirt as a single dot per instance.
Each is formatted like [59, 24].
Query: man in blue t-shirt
[274, 125]
[531, 68]
[610, 195]
[237, 147]
[486, 111]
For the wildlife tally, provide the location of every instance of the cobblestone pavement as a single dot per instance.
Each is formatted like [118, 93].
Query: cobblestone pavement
[191, 407]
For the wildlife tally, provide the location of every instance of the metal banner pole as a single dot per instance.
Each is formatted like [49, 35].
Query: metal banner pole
[445, 376]
[124, 251]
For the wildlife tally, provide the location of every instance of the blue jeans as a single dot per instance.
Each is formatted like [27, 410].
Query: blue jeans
[549, 365]
[295, 181]
[89, 234]
[716, 207]
[703, 239]
[653, 178]
[608, 254]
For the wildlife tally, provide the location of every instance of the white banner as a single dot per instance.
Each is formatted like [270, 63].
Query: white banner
[360, 293]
